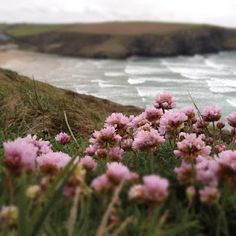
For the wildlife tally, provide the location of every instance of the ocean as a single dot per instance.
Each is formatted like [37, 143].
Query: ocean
[208, 79]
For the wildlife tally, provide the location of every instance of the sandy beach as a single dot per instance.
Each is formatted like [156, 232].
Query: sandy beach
[10, 55]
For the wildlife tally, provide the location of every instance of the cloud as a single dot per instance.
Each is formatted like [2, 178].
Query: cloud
[202, 11]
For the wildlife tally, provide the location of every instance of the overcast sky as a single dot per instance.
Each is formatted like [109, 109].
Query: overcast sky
[221, 12]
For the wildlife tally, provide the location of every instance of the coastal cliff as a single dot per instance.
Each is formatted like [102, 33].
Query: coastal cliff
[122, 40]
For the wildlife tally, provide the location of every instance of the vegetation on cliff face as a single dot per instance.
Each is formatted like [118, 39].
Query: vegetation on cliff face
[121, 40]
[162, 172]
[28, 106]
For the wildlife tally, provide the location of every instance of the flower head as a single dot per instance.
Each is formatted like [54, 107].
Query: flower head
[172, 122]
[62, 138]
[191, 147]
[117, 172]
[211, 113]
[209, 195]
[105, 137]
[164, 101]
[19, 155]
[147, 140]
[53, 162]
[101, 184]
[155, 188]
[88, 163]
[231, 118]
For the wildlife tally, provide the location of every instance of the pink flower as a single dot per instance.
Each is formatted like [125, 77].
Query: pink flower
[53, 162]
[227, 160]
[191, 147]
[211, 114]
[153, 115]
[116, 154]
[172, 122]
[101, 184]
[119, 121]
[207, 171]
[139, 121]
[88, 163]
[42, 145]
[89, 151]
[184, 172]
[164, 101]
[209, 195]
[117, 172]
[231, 118]
[189, 112]
[19, 155]
[101, 153]
[155, 188]
[137, 193]
[106, 137]
[147, 140]
[62, 138]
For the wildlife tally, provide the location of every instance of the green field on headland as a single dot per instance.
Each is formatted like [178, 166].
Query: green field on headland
[123, 39]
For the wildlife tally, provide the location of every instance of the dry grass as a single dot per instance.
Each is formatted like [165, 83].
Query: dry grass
[27, 106]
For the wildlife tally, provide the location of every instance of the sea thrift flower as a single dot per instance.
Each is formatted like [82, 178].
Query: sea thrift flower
[19, 155]
[155, 188]
[139, 121]
[119, 121]
[220, 125]
[153, 115]
[136, 193]
[231, 118]
[184, 173]
[164, 101]
[147, 140]
[42, 145]
[189, 112]
[172, 122]
[227, 161]
[88, 163]
[89, 151]
[62, 138]
[116, 154]
[52, 162]
[126, 143]
[192, 146]
[101, 153]
[211, 113]
[106, 137]
[207, 171]
[101, 184]
[220, 148]
[209, 195]
[116, 172]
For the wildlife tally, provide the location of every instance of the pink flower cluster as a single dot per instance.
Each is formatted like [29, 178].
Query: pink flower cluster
[107, 137]
[211, 114]
[62, 138]
[191, 146]
[164, 101]
[147, 140]
[30, 153]
[172, 122]
[115, 173]
[153, 190]
[52, 162]
[231, 118]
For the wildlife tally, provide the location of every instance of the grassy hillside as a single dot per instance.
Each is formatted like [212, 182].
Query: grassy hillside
[27, 106]
[124, 39]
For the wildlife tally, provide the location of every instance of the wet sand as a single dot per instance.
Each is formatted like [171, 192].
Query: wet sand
[11, 55]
